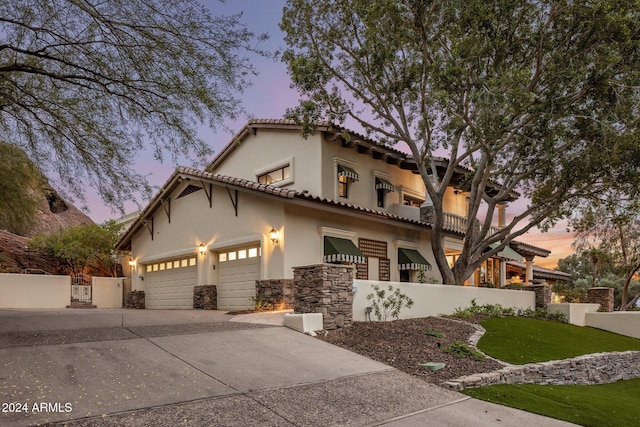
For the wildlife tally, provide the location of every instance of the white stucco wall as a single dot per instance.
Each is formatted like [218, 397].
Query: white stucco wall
[34, 291]
[107, 292]
[362, 192]
[307, 248]
[194, 222]
[433, 300]
[575, 313]
[272, 147]
[620, 322]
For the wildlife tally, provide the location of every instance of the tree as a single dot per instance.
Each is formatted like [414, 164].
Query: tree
[584, 274]
[19, 184]
[530, 98]
[85, 85]
[82, 248]
[612, 224]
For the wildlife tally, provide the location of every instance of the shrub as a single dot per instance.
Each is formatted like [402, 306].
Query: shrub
[460, 350]
[433, 333]
[496, 310]
[388, 302]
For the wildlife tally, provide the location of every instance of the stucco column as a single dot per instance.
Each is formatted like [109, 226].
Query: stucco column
[502, 215]
[503, 273]
[528, 277]
[472, 279]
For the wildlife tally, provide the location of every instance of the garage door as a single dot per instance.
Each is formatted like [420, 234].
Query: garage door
[169, 284]
[238, 270]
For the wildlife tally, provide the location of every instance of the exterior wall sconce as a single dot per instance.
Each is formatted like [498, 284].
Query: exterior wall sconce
[132, 263]
[202, 249]
[274, 236]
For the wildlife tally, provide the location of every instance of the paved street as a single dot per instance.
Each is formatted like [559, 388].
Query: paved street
[139, 368]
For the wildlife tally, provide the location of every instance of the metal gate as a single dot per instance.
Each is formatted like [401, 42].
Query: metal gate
[80, 289]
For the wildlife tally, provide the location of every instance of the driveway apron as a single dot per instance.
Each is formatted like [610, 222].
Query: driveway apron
[139, 368]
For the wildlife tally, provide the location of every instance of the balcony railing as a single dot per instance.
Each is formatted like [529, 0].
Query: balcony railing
[452, 222]
[458, 224]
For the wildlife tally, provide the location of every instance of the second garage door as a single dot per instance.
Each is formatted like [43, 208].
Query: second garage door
[169, 284]
[238, 270]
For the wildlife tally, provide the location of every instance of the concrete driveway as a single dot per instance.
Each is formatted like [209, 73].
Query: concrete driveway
[200, 368]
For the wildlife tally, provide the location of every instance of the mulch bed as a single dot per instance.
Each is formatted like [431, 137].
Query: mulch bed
[404, 344]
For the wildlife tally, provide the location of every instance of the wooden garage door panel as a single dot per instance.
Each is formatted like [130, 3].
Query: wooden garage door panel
[170, 289]
[237, 283]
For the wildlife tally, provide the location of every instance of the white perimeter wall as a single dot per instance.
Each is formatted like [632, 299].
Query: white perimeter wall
[574, 312]
[621, 322]
[34, 291]
[107, 292]
[433, 300]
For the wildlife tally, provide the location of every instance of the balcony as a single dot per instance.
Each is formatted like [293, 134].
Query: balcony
[452, 222]
[458, 224]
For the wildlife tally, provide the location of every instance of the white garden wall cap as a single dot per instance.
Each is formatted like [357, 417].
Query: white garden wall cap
[304, 322]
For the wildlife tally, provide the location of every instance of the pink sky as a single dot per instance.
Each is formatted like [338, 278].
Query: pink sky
[269, 97]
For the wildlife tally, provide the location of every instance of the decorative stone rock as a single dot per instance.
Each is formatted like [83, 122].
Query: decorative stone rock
[602, 296]
[326, 289]
[135, 299]
[205, 297]
[279, 293]
[543, 294]
[599, 368]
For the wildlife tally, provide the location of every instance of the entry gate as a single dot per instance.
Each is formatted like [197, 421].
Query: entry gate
[80, 289]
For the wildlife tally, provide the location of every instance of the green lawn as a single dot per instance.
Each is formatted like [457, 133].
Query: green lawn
[615, 404]
[522, 340]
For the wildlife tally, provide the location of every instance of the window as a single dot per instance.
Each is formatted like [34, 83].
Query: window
[343, 186]
[171, 265]
[382, 187]
[411, 201]
[380, 197]
[405, 275]
[276, 175]
[346, 175]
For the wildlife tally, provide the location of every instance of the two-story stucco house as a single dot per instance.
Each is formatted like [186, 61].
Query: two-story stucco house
[272, 200]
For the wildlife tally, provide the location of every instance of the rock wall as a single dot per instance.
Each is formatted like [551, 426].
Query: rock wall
[278, 293]
[135, 299]
[543, 294]
[326, 289]
[602, 296]
[598, 368]
[205, 297]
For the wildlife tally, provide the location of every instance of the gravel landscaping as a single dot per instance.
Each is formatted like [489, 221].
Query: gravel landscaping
[405, 344]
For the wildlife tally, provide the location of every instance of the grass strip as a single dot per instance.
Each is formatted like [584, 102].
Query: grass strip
[521, 340]
[614, 404]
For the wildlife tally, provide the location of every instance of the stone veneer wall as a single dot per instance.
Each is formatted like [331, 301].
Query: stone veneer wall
[599, 368]
[602, 296]
[205, 297]
[135, 299]
[278, 292]
[543, 294]
[326, 289]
